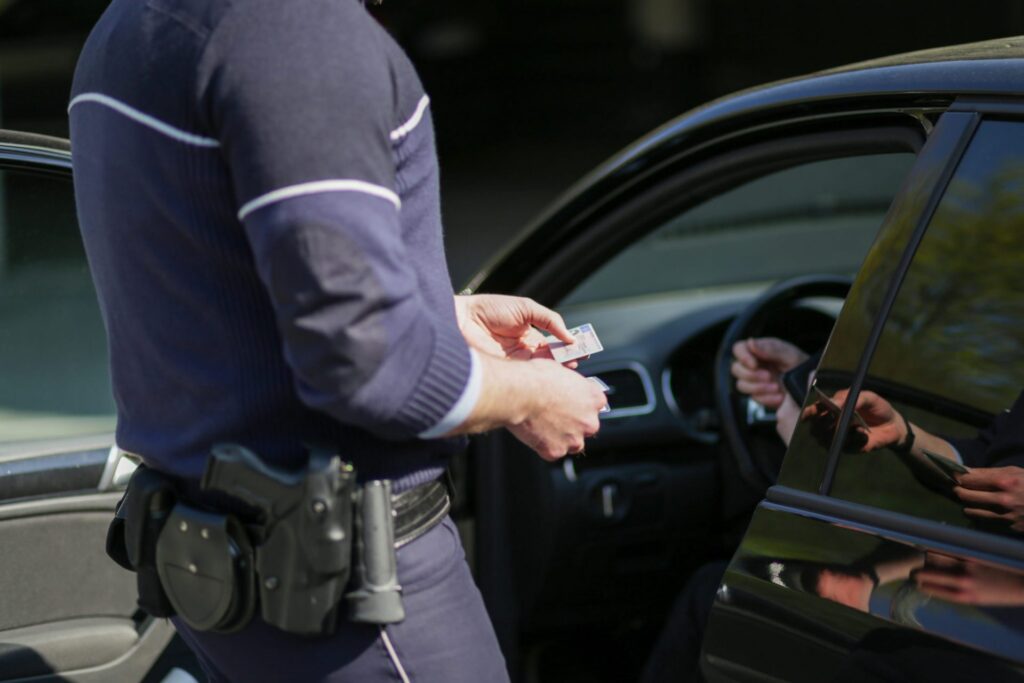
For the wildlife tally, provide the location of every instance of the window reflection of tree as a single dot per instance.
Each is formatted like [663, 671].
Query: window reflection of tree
[958, 325]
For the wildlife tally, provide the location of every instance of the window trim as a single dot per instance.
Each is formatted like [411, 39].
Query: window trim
[920, 532]
[604, 235]
[32, 153]
[987, 106]
[959, 127]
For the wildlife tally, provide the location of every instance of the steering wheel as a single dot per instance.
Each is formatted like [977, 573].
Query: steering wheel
[737, 412]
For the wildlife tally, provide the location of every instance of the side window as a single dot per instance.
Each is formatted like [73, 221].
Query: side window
[807, 456]
[950, 359]
[53, 359]
[816, 217]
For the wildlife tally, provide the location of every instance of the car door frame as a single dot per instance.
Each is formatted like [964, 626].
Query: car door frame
[695, 175]
[73, 483]
[740, 592]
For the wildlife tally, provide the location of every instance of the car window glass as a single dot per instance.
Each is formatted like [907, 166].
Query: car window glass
[807, 455]
[951, 356]
[817, 217]
[53, 358]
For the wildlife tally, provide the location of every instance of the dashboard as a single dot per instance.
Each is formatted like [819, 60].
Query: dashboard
[653, 497]
[659, 358]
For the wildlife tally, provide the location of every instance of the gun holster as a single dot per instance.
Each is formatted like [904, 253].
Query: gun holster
[304, 542]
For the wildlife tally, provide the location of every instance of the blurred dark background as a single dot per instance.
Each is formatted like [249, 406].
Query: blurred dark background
[528, 95]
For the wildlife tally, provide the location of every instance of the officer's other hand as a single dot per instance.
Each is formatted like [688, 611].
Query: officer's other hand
[758, 364]
[967, 582]
[507, 326]
[995, 493]
[563, 414]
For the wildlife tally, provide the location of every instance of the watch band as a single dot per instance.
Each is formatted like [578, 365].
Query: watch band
[905, 446]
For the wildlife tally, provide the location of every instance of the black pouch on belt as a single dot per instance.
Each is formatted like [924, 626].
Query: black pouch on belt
[132, 535]
[205, 565]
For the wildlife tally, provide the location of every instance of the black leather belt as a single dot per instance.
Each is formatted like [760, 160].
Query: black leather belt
[301, 547]
[418, 510]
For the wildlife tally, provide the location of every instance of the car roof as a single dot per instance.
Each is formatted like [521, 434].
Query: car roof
[997, 48]
[920, 80]
[991, 67]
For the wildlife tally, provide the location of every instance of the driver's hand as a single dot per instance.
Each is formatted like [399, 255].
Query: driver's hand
[786, 417]
[877, 425]
[758, 364]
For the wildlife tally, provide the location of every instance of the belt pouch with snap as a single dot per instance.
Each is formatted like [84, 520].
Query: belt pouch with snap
[133, 533]
[205, 565]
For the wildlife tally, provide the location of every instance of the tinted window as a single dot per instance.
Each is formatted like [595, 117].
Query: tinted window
[817, 217]
[53, 368]
[808, 450]
[951, 355]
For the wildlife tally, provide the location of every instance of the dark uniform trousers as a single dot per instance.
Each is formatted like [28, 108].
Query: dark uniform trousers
[446, 637]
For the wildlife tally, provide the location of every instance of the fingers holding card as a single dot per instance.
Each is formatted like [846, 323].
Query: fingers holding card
[585, 343]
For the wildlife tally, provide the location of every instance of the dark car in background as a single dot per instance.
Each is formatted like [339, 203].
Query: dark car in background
[749, 216]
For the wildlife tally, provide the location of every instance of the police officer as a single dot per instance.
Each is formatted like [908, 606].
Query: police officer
[257, 189]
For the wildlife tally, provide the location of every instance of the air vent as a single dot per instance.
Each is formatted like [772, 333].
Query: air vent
[630, 391]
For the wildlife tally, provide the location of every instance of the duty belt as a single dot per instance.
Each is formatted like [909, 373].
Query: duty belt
[302, 546]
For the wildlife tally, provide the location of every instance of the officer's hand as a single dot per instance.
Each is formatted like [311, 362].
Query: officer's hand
[564, 414]
[995, 493]
[506, 326]
[758, 365]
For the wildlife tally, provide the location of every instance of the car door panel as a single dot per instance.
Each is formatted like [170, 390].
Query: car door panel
[876, 557]
[73, 615]
[847, 600]
[67, 612]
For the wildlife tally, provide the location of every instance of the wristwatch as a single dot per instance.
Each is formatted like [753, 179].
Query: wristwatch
[904, 447]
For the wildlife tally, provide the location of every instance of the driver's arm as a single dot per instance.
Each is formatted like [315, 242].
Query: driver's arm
[758, 365]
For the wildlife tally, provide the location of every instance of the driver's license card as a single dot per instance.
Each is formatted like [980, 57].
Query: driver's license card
[833, 407]
[949, 466]
[594, 379]
[586, 344]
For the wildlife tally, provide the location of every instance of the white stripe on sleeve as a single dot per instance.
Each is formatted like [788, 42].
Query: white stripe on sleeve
[318, 187]
[145, 119]
[414, 120]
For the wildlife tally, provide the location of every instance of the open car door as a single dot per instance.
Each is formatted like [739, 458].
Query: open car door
[67, 612]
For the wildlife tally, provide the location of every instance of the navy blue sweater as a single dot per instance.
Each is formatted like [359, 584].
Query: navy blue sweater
[999, 444]
[257, 189]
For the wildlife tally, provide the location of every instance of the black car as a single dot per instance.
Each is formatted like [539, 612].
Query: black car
[750, 216]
